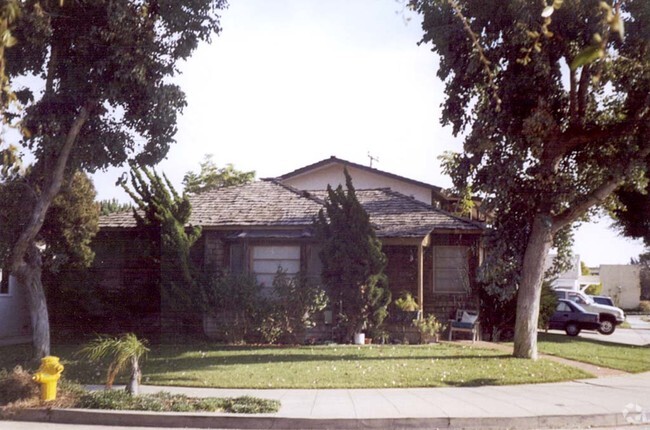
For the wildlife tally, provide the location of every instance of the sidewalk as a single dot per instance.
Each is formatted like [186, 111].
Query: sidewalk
[602, 402]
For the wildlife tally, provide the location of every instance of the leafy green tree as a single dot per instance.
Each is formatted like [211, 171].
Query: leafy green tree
[70, 225]
[162, 215]
[211, 177]
[553, 103]
[353, 262]
[107, 207]
[106, 97]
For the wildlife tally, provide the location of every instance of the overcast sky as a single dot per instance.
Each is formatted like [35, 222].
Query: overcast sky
[291, 82]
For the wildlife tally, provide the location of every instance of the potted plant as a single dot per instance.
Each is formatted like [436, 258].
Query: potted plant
[429, 328]
[408, 311]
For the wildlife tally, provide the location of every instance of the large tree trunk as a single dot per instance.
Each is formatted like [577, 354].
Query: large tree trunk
[25, 260]
[528, 296]
[28, 276]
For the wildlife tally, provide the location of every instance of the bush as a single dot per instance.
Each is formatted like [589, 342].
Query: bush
[594, 290]
[547, 305]
[236, 302]
[292, 307]
[644, 306]
[16, 385]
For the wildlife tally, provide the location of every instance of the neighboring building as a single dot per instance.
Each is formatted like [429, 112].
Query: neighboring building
[16, 325]
[622, 282]
[259, 227]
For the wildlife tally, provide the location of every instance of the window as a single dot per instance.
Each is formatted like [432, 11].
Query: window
[237, 258]
[266, 260]
[563, 307]
[4, 282]
[450, 269]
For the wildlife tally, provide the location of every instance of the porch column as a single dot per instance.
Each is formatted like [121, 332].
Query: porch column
[421, 279]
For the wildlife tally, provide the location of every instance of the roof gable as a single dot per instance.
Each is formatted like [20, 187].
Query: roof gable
[344, 163]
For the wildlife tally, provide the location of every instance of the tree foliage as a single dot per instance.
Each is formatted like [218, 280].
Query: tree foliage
[110, 206]
[353, 262]
[162, 216]
[211, 177]
[107, 97]
[553, 103]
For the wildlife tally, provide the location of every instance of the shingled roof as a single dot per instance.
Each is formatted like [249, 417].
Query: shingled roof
[396, 215]
[271, 204]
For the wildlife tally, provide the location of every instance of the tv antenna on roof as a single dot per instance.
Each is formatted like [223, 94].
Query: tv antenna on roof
[372, 158]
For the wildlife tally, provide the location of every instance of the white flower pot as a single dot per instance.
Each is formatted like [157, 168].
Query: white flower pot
[359, 338]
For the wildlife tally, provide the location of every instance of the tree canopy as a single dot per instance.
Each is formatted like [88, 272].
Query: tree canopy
[104, 69]
[553, 103]
[211, 177]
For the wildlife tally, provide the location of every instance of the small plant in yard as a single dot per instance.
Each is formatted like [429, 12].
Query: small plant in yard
[644, 306]
[406, 302]
[429, 327]
[122, 351]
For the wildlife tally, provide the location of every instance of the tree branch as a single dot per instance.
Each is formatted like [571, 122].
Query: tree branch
[50, 191]
[594, 198]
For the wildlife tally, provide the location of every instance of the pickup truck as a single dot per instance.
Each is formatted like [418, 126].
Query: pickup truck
[610, 316]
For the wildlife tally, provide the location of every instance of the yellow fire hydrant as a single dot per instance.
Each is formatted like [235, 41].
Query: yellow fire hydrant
[48, 375]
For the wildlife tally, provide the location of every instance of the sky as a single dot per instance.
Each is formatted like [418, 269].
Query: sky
[291, 82]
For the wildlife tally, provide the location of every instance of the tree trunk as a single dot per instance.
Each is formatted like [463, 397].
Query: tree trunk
[25, 262]
[528, 296]
[28, 276]
[133, 387]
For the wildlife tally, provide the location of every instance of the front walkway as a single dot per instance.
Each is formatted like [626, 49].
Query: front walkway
[614, 401]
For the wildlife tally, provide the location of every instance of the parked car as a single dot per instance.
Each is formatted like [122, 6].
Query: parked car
[573, 318]
[610, 316]
[603, 300]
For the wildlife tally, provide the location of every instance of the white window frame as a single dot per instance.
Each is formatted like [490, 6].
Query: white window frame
[450, 271]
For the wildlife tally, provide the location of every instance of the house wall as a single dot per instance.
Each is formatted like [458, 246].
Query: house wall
[402, 275]
[622, 282]
[15, 326]
[361, 179]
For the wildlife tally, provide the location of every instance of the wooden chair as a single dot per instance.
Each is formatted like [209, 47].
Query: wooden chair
[466, 322]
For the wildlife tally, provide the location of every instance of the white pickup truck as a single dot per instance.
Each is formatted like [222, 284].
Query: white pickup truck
[610, 316]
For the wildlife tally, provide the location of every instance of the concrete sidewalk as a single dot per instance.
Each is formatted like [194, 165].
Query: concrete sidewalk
[615, 401]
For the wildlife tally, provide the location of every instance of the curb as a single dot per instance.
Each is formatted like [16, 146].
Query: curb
[265, 421]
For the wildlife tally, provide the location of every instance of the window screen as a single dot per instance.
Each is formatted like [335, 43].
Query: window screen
[268, 259]
[450, 269]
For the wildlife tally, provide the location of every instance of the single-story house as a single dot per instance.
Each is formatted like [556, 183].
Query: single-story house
[258, 227]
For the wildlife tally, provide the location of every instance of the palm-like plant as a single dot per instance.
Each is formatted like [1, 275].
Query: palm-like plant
[122, 351]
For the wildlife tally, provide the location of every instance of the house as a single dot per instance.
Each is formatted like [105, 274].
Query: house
[258, 227]
[319, 175]
[16, 325]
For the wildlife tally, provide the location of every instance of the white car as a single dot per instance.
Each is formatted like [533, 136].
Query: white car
[610, 316]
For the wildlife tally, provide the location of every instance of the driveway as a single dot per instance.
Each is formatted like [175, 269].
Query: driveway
[639, 334]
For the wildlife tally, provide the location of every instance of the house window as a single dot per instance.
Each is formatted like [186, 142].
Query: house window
[4, 282]
[266, 260]
[450, 269]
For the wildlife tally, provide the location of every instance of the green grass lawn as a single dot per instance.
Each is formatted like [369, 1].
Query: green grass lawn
[628, 358]
[435, 365]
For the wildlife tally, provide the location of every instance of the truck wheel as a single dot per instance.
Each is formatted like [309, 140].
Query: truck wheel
[572, 329]
[607, 326]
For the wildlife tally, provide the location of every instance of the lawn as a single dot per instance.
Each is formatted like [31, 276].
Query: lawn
[206, 365]
[628, 358]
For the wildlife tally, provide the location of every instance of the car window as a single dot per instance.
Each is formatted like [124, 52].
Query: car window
[563, 307]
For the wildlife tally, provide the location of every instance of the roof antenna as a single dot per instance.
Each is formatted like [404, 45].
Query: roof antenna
[372, 159]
